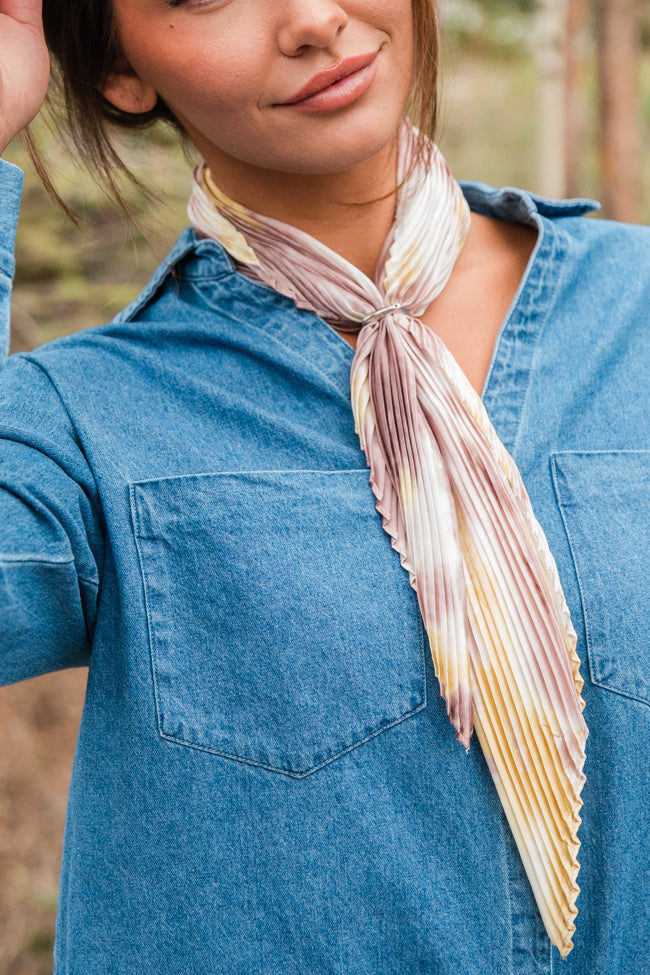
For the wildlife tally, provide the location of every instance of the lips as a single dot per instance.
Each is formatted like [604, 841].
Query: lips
[330, 76]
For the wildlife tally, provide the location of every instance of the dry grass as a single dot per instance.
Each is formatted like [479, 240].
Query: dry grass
[39, 720]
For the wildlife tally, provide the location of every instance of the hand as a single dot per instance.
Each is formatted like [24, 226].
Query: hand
[24, 66]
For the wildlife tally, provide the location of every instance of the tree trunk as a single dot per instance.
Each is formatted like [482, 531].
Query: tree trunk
[575, 93]
[618, 33]
[551, 55]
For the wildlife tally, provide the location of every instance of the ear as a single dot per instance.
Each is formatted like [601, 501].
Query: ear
[126, 91]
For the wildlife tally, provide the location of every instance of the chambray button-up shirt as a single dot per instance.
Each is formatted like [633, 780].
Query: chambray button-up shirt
[266, 781]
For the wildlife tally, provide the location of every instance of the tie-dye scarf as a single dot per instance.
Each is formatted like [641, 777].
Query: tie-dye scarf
[453, 504]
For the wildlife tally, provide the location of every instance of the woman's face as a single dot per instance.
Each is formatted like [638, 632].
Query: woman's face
[295, 86]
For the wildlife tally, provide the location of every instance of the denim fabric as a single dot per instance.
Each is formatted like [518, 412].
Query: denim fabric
[266, 782]
[11, 182]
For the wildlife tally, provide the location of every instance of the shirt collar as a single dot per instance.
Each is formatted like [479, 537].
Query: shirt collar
[205, 259]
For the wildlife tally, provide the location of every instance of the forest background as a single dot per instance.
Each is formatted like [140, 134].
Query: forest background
[549, 95]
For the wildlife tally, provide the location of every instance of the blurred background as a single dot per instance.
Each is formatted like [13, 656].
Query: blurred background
[550, 95]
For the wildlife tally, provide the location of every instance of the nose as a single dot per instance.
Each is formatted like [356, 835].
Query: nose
[310, 23]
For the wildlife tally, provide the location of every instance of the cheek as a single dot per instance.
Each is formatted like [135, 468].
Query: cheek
[192, 73]
[398, 17]
[393, 16]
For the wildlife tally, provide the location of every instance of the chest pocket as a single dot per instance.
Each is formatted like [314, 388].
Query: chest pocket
[604, 497]
[282, 628]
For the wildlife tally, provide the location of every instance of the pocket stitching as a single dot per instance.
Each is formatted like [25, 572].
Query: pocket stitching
[591, 652]
[139, 535]
[311, 769]
[145, 593]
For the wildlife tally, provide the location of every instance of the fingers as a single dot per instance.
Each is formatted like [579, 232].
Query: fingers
[28, 12]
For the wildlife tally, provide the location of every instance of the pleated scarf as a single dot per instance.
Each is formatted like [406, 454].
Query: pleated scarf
[453, 503]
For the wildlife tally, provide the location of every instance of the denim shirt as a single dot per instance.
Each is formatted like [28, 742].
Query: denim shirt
[266, 782]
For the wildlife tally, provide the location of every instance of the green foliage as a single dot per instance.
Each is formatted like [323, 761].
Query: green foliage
[41, 943]
[70, 277]
[501, 7]
[502, 27]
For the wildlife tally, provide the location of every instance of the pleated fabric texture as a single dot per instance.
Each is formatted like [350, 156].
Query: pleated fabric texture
[453, 503]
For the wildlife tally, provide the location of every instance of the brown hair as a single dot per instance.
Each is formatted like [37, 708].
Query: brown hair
[422, 106]
[82, 38]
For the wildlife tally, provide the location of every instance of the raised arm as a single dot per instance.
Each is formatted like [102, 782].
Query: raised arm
[50, 536]
[24, 66]
[24, 75]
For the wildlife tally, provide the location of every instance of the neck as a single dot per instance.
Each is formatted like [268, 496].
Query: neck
[351, 212]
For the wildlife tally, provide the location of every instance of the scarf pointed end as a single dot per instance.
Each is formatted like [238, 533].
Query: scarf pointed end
[564, 938]
[460, 714]
[565, 948]
[464, 737]
[559, 913]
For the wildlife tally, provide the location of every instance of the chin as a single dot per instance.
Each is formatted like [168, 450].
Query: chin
[332, 151]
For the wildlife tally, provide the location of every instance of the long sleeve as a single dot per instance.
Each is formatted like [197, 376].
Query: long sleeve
[50, 540]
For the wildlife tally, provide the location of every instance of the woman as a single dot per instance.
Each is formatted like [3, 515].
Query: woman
[267, 778]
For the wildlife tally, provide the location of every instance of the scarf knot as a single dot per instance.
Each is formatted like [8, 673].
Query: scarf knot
[375, 316]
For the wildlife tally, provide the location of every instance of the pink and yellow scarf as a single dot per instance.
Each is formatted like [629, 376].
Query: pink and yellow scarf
[453, 503]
